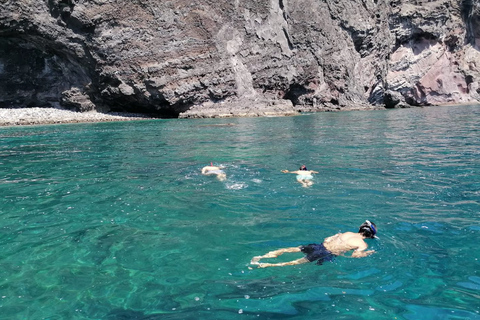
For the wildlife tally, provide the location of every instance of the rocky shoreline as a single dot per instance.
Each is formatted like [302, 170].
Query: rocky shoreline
[39, 116]
[45, 116]
[42, 116]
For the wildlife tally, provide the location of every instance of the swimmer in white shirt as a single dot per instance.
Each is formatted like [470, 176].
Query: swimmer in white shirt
[214, 170]
[304, 176]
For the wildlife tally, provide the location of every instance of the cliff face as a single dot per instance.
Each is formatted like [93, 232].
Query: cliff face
[204, 58]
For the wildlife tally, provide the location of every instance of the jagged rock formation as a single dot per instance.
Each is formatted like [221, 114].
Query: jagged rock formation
[220, 58]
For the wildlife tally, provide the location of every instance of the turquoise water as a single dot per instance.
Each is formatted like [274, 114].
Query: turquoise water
[115, 221]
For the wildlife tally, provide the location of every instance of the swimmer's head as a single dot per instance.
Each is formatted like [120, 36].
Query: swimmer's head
[303, 167]
[368, 229]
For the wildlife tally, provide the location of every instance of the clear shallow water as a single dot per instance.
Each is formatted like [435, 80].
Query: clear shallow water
[115, 221]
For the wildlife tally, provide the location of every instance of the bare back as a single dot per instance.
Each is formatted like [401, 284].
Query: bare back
[214, 170]
[343, 242]
[207, 169]
[303, 172]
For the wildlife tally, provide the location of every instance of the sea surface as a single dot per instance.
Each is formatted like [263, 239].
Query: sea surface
[115, 220]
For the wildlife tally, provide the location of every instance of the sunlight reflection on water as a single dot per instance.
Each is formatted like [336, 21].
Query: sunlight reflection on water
[115, 220]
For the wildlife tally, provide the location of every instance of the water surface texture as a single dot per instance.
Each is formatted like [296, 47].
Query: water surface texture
[115, 221]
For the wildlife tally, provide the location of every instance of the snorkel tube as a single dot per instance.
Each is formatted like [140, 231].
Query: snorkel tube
[371, 227]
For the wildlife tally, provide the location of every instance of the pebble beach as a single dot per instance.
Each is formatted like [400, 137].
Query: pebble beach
[36, 116]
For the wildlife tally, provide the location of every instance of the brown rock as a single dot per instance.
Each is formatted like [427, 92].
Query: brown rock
[210, 58]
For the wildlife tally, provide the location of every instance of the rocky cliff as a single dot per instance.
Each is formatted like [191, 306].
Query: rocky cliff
[193, 58]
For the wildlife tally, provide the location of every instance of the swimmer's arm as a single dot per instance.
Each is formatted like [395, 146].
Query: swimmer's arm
[313, 171]
[360, 251]
[362, 254]
[286, 171]
[290, 263]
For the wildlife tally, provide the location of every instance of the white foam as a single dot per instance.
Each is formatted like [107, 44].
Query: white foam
[236, 186]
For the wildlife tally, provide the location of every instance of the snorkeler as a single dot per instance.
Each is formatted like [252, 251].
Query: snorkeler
[304, 176]
[332, 246]
[214, 170]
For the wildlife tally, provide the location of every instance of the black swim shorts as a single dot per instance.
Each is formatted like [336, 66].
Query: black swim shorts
[317, 252]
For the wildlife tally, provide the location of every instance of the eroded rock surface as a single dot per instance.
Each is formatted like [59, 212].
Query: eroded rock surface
[238, 58]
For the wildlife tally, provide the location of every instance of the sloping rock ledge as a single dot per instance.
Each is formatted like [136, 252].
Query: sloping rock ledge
[231, 109]
[36, 116]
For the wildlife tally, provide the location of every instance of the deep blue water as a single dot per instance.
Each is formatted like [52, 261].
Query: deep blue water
[115, 221]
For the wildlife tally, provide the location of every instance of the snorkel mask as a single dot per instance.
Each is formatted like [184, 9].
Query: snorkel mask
[367, 225]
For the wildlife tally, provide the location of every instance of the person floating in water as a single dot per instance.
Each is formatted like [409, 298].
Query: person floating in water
[332, 246]
[214, 170]
[304, 176]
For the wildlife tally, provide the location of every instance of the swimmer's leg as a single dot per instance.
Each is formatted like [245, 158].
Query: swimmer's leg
[274, 254]
[301, 182]
[290, 263]
[305, 183]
